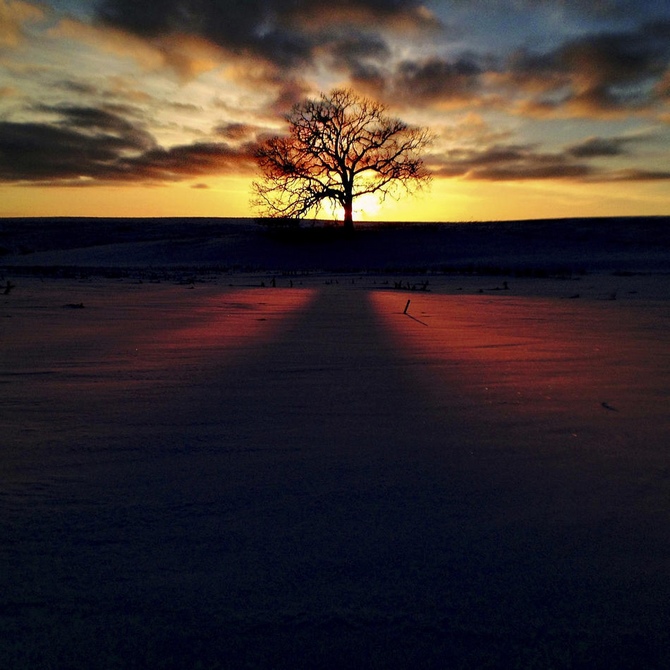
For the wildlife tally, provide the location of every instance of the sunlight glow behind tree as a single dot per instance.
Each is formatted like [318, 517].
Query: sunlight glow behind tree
[340, 147]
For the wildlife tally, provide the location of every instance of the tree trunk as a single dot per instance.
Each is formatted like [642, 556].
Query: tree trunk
[348, 220]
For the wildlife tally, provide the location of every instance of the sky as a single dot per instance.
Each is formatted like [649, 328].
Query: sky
[539, 108]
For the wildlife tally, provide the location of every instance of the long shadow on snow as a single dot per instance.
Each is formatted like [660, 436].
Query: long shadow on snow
[311, 508]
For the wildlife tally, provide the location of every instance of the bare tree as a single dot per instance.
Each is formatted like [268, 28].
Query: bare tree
[338, 148]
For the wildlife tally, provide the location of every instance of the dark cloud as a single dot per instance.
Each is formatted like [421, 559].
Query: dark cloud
[290, 92]
[598, 9]
[509, 163]
[284, 32]
[635, 174]
[594, 75]
[604, 73]
[358, 53]
[532, 72]
[437, 79]
[529, 172]
[187, 161]
[618, 58]
[236, 131]
[597, 147]
[431, 81]
[597, 73]
[185, 107]
[77, 87]
[242, 26]
[103, 120]
[39, 151]
[610, 9]
[90, 145]
[525, 162]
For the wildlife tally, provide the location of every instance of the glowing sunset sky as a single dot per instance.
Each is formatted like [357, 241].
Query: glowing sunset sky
[541, 108]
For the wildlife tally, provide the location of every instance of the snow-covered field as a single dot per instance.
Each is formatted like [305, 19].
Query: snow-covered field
[227, 473]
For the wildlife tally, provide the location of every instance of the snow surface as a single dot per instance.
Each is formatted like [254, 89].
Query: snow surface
[226, 474]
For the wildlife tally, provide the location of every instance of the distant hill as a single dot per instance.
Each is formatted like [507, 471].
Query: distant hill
[549, 246]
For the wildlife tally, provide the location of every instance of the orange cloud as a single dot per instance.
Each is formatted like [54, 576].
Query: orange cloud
[13, 14]
[662, 88]
[110, 40]
[187, 55]
[395, 17]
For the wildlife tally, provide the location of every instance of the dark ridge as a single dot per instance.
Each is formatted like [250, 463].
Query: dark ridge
[544, 246]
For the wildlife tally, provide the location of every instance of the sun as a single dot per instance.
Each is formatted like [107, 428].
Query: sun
[366, 208]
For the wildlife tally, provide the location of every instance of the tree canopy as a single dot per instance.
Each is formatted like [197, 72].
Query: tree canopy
[338, 147]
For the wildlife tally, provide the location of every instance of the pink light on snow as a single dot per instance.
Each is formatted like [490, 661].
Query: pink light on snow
[224, 326]
[573, 369]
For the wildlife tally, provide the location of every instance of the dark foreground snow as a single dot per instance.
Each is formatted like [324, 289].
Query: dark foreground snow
[226, 476]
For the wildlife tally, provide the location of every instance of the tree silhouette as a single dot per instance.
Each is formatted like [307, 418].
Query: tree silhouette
[338, 148]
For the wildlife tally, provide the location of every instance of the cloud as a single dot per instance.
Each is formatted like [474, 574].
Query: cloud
[435, 79]
[600, 9]
[186, 54]
[433, 82]
[283, 45]
[187, 161]
[113, 41]
[529, 171]
[470, 130]
[13, 15]
[87, 145]
[288, 93]
[38, 151]
[282, 32]
[529, 72]
[609, 59]
[271, 54]
[400, 16]
[357, 53]
[236, 131]
[596, 147]
[77, 87]
[99, 119]
[634, 174]
[597, 75]
[510, 162]
[82, 142]
[662, 87]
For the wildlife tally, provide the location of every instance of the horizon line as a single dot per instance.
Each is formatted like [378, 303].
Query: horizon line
[335, 223]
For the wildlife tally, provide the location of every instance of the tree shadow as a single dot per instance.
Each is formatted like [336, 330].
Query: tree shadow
[312, 507]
